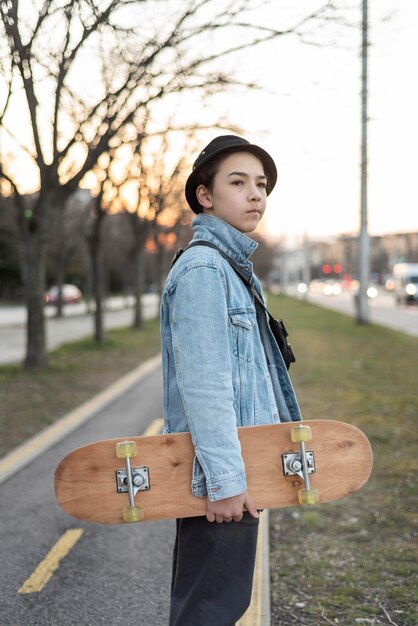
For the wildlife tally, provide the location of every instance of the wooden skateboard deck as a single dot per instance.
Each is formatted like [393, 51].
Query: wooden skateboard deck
[336, 461]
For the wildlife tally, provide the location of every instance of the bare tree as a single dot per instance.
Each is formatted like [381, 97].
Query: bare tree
[140, 229]
[156, 203]
[167, 205]
[100, 207]
[66, 244]
[51, 56]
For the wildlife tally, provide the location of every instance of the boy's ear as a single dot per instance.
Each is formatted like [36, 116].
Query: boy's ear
[203, 196]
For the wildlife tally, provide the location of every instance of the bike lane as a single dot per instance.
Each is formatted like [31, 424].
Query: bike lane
[107, 574]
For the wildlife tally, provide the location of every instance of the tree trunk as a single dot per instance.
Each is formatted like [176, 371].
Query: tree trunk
[59, 276]
[34, 281]
[161, 273]
[98, 277]
[34, 219]
[138, 275]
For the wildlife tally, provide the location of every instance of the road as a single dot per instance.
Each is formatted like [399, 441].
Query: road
[382, 309]
[114, 574]
[76, 324]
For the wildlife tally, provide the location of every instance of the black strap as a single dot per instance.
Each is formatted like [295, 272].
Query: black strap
[246, 276]
[277, 327]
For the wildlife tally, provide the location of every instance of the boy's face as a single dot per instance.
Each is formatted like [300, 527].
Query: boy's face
[238, 194]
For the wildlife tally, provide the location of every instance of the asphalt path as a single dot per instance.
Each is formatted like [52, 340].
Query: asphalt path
[114, 574]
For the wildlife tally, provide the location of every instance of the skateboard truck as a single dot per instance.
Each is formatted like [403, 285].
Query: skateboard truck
[139, 479]
[302, 464]
[131, 480]
[292, 463]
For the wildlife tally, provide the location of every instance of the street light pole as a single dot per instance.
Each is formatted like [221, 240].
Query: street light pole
[364, 240]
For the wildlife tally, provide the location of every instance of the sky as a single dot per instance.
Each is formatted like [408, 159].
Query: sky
[307, 114]
[311, 125]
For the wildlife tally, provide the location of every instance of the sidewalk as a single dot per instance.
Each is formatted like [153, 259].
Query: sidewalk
[16, 315]
[75, 325]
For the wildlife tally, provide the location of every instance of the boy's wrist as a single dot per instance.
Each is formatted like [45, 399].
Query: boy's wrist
[222, 489]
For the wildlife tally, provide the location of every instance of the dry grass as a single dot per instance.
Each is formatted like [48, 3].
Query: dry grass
[353, 561]
[32, 400]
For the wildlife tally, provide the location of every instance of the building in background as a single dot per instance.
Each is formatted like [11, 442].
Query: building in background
[337, 259]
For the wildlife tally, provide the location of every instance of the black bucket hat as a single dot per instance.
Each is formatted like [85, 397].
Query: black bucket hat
[230, 143]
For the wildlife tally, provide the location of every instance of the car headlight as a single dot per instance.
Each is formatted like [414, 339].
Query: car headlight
[372, 292]
[411, 289]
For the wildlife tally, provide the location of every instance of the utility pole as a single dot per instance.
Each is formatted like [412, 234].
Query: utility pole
[306, 278]
[364, 240]
[284, 269]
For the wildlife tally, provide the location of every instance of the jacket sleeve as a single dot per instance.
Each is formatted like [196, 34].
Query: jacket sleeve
[201, 346]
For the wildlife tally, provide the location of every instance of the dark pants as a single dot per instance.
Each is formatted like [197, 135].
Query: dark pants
[213, 568]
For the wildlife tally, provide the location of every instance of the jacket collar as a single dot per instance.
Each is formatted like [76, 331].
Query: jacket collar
[234, 243]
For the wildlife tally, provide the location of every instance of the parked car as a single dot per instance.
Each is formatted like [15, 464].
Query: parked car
[70, 294]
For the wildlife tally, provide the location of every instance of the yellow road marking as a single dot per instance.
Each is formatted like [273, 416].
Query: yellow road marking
[252, 616]
[33, 448]
[37, 581]
[154, 428]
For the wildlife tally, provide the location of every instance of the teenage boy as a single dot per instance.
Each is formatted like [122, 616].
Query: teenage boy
[221, 369]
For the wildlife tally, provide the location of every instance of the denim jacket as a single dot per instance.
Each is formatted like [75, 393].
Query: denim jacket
[220, 368]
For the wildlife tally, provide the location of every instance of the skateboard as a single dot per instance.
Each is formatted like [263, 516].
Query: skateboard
[118, 481]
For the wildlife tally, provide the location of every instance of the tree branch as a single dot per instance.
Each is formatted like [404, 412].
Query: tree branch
[62, 70]
[22, 60]
[19, 143]
[7, 101]
[10, 181]
[147, 77]
[43, 13]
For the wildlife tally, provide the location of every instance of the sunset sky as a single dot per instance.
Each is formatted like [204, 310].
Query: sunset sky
[307, 115]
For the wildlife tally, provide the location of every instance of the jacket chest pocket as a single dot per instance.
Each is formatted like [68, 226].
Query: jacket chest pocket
[242, 324]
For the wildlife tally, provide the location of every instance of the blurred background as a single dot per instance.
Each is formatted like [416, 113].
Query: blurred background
[104, 106]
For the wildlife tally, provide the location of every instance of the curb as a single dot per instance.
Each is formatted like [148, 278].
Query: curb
[258, 613]
[265, 610]
[35, 446]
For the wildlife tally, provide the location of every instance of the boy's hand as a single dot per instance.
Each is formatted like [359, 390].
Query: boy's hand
[230, 508]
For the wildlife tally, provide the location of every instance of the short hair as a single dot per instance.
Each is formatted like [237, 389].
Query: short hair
[208, 171]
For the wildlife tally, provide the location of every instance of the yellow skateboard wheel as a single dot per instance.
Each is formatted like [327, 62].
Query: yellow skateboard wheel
[308, 496]
[133, 514]
[300, 433]
[126, 449]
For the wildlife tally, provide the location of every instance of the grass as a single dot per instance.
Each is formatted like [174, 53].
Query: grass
[32, 400]
[353, 561]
